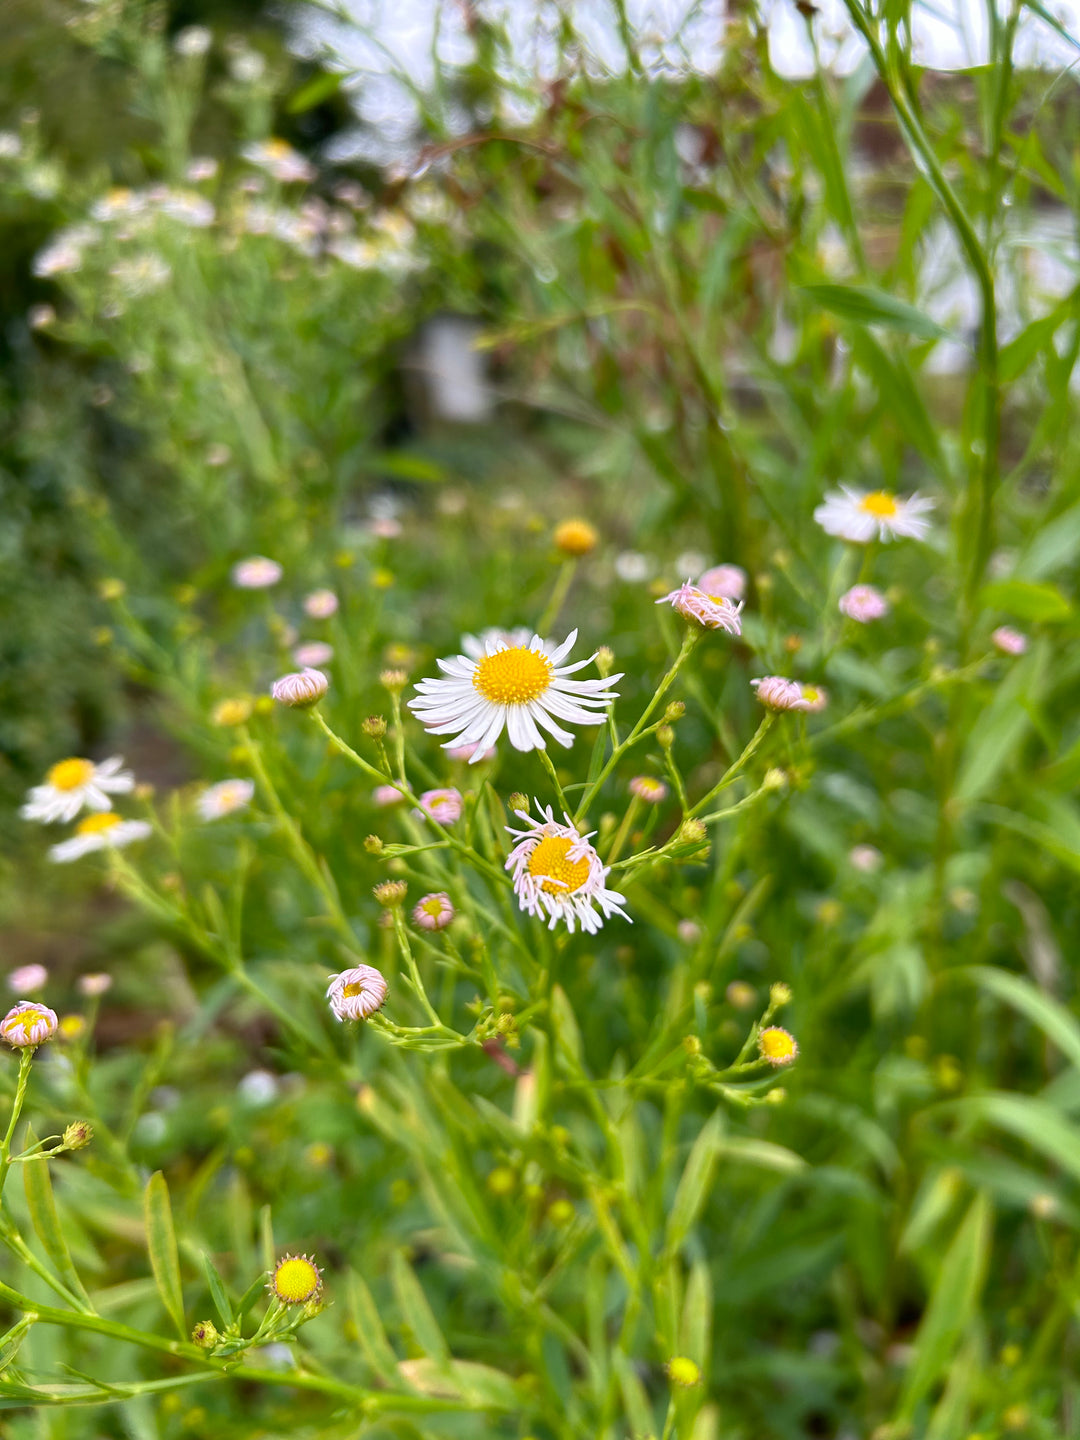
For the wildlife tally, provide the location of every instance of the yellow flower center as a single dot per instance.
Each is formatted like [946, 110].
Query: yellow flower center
[70, 774]
[296, 1279]
[278, 149]
[575, 537]
[232, 712]
[71, 1027]
[880, 503]
[682, 1371]
[97, 824]
[514, 676]
[777, 1044]
[26, 1020]
[352, 990]
[549, 859]
[811, 693]
[432, 908]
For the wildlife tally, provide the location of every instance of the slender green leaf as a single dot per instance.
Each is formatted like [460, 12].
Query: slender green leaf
[1025, 600]
[319, 88]
[369, 1327]
[696, 1180]
[638, 1410]
[218, 1293]
[696, 1326]
[866, 305]
[416, 1311]
[41, 1203]
[161, 1242]
[1028, 1119]
[1052, 1018]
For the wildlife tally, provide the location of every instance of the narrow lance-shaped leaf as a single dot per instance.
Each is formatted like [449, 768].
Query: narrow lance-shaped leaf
[41, 1202]
[161, 1242]
[417, 1312]
[866, 305]
[217, 1290]
[695, 1182]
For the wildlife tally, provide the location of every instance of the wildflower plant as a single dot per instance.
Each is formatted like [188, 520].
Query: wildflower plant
[422, 1071]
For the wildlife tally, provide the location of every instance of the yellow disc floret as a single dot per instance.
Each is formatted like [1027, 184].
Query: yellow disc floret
[881, 503]
[514, 676]
[97, 824]
[295, 1280]
[70, 774]
[575, 537]
[550, 860]
[777, 1046]
[682, 1370]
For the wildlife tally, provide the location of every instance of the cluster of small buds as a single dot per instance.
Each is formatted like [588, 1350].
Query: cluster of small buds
[205, 1334]
[390, 893]
[691, 839]
[575, 538]
[77, 1135]
[300, 690]
[605, 660]
[374, 845]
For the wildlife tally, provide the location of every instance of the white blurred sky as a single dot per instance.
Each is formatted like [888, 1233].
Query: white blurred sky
[395, 38]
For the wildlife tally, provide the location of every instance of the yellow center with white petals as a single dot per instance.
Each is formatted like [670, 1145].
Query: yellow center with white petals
[25, 1021]
[550, 860]
[514, 676]
[296, 1279]
[881, 504]
[97, 824]
[351, 991]
[70, 774]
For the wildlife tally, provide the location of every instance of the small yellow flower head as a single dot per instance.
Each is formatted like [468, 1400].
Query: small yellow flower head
[393, 680]
[236, 711]
[561, 1211]
[779, 994]
[502, 1180]
[111, 589]
[1043, 1206]
[390, 893]
[576, 538]
[681, 1370]
[382, 579]
[71, 1027]
[373, 845]
[741, 995]
[1016, 1417]
[78, 1135]
[295, 1280]
[777, 1046]
[205, 1334]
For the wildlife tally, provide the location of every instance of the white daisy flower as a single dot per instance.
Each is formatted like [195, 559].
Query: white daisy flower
[519, 687]
[357, 993]
[558, 874]
[99, 832]
[72, 784]
[476, 646]
[224, 798]
[859, 516]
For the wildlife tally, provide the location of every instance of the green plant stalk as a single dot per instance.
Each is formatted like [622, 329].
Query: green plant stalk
[549, 766]
[26, 1057]
[563, 581]
[733, 769]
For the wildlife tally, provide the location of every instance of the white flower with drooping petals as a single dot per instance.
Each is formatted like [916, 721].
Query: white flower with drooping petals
[27, 978]
[321, 604]
[28, 1023]
[778, 693]
[72, 784]
[726, 580]
[860, 515]
[139, 275]
[225, 798]
[1009, 641]
[256, 573]
[520, 688]
[99, 832]
[863, 603]
[442, 806]
[712, 612]
[357, 993]
[559, 876]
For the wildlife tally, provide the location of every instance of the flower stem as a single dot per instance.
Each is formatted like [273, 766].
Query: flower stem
[733, 769]
[26, 1056]
[562, 585]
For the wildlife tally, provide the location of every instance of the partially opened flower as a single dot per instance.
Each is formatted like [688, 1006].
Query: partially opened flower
[519, 688]
[256, 573]
[1009, 641]
[559, 876]
[300, 690]
[816, 698]
[859, 516]
[99, 832]
[712, 612]
[434, 912]
[442, 806]
[225, 798]
[72, 785]
[27, 978]
[28, 1023]
[863, 603]
[649, 789]
[727, 580]
[777, 693]
[313, 653]
[357, 993]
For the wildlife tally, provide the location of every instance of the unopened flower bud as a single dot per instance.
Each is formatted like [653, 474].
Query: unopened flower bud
[665, 737]
[390, 893]
[393, 680]
[205, 1334]
[776, 1096]
[779, 994]
[374, 726]
[111, 589]
[690, 838]
[518, 801]
[77, 1135]
[605, 660]
[675, 711]
[691, 1044]
[775, 779]
[300, 690]
[373, 845]
[575, 538]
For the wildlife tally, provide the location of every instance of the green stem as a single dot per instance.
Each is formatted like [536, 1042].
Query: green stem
[563, 581]
[26, 1056]
[548, 764]
[733, 769]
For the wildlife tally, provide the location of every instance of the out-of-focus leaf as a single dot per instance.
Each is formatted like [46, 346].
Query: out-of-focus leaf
[1026, 600]
[952, 1305]
[416, 1311]
[696, 1328]
[377, 1349]
[762, 1153]
[319, 88]
[1055, 545]
[218, 1293]
[41, 1202]
[1027, 1118]
[1056, 1023]
[1034, 338]
[996, 738]
[161, 1242]
[866, 305]
[566, 1026]
[638, 1409]
[695, 1181]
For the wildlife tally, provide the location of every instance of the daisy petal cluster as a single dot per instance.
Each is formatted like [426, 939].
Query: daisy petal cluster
[300, 689]
[74, 784]
[256, 573]
[712, 612]
[559, 876]
[357, 993]
[863, 603]
[861, 516]
[28, 1023]
[105, 831]
[225, 798]
[522, 688]
[434, 912]
[778, 693]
